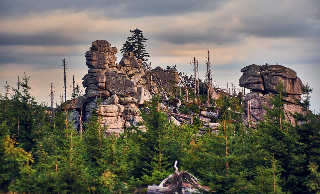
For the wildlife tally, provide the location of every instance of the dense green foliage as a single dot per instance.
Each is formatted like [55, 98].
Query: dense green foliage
[43, 155]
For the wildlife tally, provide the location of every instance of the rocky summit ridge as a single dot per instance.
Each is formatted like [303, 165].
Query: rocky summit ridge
[116, 90]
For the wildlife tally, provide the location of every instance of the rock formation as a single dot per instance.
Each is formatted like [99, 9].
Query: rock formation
[168, 78]
[263, 80]
[115, 91]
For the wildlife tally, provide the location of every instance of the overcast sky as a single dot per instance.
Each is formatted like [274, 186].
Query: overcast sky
[36, 34]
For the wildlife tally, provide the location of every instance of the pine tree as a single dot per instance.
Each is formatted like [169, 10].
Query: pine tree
[135, 44]
[281, 140]
[313, 181]
[15, 163]
[154, 160]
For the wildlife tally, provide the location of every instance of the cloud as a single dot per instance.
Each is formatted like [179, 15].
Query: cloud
[276, 19]
[51, 38]
[54, 28]
[111, 8]
[236, 20]
[181, 36]
[198, 23]
[44, 50]
[35, 35]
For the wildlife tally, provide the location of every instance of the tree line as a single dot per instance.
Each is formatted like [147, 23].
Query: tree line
[42, 154]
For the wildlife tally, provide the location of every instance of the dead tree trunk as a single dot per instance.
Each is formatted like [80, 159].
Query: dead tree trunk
[52, 98]
[226, 138]
[73, 88]
[80, 118]
[209, 77]
[195, 75]
[64, 78]
[198, 85]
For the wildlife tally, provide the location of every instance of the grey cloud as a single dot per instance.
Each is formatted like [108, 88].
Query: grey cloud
[43, 62]
[150, 8]
[285, 27]
[273, 21]
[292, 18]
[43, 39]
[259, 23]
[312, 59]
[111, 8]
[185, 37]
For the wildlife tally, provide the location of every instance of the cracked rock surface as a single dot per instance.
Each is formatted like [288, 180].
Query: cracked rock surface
[262, 80]
[115, 91]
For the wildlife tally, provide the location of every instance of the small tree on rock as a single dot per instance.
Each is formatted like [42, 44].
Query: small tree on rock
[135, 44]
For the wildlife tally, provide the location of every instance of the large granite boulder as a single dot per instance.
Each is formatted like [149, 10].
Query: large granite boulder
[251, 78]
[266, 78]
[263, 80]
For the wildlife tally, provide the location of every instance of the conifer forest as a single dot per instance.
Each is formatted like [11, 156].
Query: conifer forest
[42, 152]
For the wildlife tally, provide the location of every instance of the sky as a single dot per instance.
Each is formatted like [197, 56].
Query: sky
[36, 34]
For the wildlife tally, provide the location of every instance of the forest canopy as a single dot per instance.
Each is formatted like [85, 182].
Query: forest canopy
[45, 154]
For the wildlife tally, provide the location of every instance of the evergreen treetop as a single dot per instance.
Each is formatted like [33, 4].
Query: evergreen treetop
[135, 44]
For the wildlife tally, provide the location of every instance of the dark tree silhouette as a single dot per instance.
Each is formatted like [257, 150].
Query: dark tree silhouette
[135, 44]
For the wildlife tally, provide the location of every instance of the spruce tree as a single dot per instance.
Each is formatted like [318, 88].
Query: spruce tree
[135, 44]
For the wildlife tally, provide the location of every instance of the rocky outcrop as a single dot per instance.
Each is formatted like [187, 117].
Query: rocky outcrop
[99, 59]
[254, 107]
[263, 80]
[266, 78]
[168, 78]
[115, 91]
[120, 88]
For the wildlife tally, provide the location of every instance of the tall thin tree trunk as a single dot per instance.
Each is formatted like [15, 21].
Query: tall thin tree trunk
[187, 94]
[64, 78]
[81, 123]
[100, 122]
[66, 121]
[73, 88]
[280, 120]
[71, 148]
[209, 77]
[56, 166]
[226, 138]
[262, 182]
[112, 147]
[18, 126]
[198, 85]
[248, 112]
[194, 63]
[159, 153]
[274, 175]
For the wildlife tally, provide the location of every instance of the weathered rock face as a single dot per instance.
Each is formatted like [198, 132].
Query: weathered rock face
[266, 78]
[168, 78]
[100, 59]
[120, 88]
[254, 107]
[263, 81]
